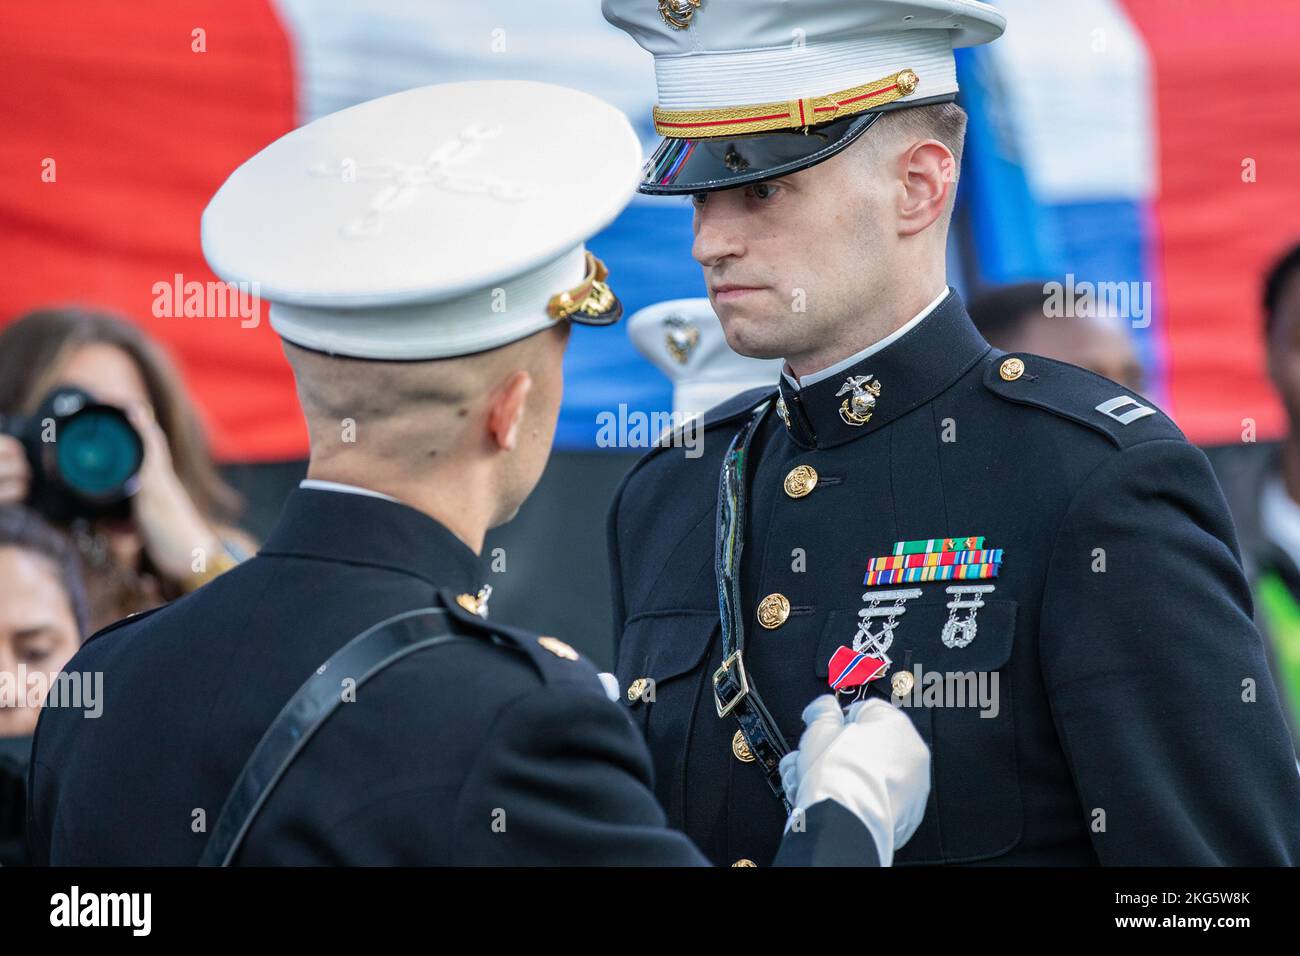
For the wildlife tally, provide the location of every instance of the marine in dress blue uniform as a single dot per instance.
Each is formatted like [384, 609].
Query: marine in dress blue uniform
[942, 508]
[491, 745]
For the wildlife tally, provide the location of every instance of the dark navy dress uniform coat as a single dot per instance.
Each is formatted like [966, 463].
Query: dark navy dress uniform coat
[488, 749]
[1136, 720]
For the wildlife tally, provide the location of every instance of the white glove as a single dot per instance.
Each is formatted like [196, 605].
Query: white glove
[870, 760]
[610, 683]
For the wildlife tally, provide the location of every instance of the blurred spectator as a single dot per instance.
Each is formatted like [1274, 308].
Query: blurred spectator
[42, 621]
[1013, 318]
[141, 561]
[1262, 483]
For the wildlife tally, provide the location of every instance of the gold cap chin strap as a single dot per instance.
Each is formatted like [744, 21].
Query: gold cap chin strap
[591, 302]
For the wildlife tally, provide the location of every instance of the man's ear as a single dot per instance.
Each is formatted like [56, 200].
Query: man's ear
[929, 175]
[506, 410]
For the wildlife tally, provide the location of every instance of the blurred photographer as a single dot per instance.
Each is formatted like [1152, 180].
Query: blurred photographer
[42, 622]
[163, 531]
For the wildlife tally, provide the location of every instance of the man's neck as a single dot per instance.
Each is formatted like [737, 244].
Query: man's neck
[466, 513]
[877, 323]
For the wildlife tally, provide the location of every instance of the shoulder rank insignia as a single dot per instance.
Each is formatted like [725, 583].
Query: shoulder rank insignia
[862, 392]
[1133, 409]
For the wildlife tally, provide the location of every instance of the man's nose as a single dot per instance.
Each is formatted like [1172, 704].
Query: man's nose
[717, 232]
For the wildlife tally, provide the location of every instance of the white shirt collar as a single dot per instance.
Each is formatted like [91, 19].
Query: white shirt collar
[315, 484]
[815, 377]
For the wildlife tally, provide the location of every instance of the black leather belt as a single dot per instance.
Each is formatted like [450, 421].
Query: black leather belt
[360, 659]
[733, 693]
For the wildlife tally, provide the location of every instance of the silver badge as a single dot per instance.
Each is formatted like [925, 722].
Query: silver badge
[878, 644]
[958, 632]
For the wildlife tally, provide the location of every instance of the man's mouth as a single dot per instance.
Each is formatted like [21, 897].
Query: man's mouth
[730, 291]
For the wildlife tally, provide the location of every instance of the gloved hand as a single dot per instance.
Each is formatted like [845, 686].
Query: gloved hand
[870, 760]
[610, 683]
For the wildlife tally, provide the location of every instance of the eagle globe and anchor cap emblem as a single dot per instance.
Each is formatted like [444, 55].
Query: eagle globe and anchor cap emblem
[678, 13]
[681, 337]
[862, 393]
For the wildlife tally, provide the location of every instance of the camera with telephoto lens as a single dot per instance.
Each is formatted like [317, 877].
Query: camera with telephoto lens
[85, 456]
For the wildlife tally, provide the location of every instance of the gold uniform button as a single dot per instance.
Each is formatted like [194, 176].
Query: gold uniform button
[901, 683]
[740, 747]
[558, 648]
[773, 610]
[743, 861]
[801, 481]
[637, 688]
[1011, 369]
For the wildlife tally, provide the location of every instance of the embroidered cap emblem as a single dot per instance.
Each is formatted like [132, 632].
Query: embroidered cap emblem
[681, 338]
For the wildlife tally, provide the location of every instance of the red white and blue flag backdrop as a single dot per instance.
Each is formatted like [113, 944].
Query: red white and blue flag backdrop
[1111, 141]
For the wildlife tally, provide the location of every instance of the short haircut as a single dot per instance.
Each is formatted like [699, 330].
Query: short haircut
[1275, 282]
[945, 122]
[999, 311]
[25, 530]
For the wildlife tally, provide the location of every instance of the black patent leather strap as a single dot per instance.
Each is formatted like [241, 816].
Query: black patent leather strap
[732, 687]
[361, 658]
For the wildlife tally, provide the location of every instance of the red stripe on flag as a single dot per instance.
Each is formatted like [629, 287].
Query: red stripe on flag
[1226, 100]
[142, 130]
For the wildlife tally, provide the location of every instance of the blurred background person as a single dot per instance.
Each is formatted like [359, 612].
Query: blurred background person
[149, 556]
[1014, 318]
[43, 618]
[1261, 480]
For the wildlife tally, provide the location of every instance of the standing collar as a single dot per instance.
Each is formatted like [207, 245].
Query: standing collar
[883, 384]
[369, 530]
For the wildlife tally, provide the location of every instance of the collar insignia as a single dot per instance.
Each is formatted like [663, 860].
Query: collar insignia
[861, 402]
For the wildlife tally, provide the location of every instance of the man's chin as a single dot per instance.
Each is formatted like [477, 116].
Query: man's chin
[750, 334]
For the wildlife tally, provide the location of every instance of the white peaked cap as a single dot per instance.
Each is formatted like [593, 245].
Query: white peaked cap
[436, 222]
[685, 341]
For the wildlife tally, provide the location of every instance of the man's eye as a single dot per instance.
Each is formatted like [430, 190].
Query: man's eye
[697, 199]
[762, 190]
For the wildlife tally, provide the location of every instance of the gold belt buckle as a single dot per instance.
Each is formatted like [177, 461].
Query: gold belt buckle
[739, 663]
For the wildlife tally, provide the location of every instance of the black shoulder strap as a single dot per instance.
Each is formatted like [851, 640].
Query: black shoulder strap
[733, 692]
[359, 659]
